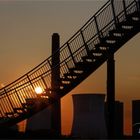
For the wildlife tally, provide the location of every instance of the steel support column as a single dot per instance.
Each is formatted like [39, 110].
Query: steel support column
[139, 4]
[55, 83]
[111, 95]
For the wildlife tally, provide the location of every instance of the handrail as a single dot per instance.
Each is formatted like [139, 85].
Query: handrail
[71, 53]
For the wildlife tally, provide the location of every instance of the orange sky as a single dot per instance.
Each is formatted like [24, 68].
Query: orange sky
[25, 41]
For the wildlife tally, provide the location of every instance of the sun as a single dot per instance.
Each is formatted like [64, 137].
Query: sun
[38, 90]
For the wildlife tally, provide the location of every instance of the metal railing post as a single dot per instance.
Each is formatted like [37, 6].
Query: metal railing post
[124, 7]
[18, 97]
[30, 82]
[2, 110]
[49, 63]
[71, 53]
[44, 83]
[97, 28]
[8, 99]
[85, 44]
[138, 4]
[113, 11]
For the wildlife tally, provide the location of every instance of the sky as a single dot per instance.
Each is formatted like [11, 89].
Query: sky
[26, 27]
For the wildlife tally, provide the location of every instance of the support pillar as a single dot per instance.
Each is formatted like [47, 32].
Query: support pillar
[139, 4]
[111, 96]
[55, 80]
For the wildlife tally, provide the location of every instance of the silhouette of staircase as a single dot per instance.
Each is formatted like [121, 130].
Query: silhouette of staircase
[102, 35]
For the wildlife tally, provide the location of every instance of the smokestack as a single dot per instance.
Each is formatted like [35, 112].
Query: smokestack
[55, 84]
[89, 116]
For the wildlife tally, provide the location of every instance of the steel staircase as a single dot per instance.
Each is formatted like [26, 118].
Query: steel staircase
[103, 34]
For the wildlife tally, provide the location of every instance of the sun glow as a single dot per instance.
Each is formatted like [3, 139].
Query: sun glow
[38, 90]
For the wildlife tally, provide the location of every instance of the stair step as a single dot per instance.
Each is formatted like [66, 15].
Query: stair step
[88, 58]
[104, 44]
[126, 27]
[24, 105]
[113, 37]
[68, 75]
[64, 84]
[117, 31]
[133, 20]
[66, 79]
[102, 49]
[128, 22]
[9, 114]
[76, 72]
[84, 65]
[121, 30]
[79, 66]
[134, 14]
[94, 54]
[98, 51]
[116, 34]
[72, 74]
[19, 110]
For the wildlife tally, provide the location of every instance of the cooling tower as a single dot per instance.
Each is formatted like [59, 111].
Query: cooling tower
[89, 116]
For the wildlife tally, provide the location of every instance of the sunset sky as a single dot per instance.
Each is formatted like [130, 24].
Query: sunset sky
[26, 27]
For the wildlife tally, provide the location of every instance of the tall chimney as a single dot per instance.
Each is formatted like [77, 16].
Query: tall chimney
[55, 84]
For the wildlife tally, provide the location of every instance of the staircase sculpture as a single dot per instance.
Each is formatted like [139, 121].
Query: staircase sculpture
[102, 35]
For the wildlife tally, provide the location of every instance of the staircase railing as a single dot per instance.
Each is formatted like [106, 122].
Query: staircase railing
[85, 39]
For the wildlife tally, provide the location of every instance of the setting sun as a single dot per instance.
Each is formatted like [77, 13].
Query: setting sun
[38, 90]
